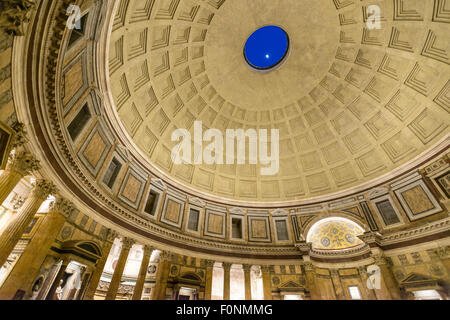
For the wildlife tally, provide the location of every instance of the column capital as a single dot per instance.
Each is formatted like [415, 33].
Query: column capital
[63, 206]
[226, 266]
[362, 270]
[209, 263]
[265, 269]
[164, 255]
[23, 162]
[127, 243]
[15, 14]
[148, 249]
[111, 235]
[19, 136]
[247, 267]
[380, 259]
[309, 266]
[43, 188]
[443, 252]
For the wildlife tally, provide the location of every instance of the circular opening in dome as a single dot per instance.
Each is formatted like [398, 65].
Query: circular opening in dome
[266, 48]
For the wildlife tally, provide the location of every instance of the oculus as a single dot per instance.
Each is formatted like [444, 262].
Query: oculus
[266, 48]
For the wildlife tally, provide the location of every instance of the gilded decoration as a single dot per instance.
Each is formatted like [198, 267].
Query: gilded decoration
[335, 234]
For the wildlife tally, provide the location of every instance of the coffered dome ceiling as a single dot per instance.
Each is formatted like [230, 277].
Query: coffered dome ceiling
[351, 104]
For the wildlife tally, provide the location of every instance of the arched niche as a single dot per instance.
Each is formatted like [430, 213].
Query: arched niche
[334, 233]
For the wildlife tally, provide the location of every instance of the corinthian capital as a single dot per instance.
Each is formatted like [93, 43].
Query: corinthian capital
[14, 14]
[111, 235]
[127, 243]
[164, 255]
[308, 266]
[266, 269]
[148, 249]
[209, 263]
[23, 162]
[43, 188]
[380, 259]
[246, 267]
[226, 265]
[63, 206]
[19, 137]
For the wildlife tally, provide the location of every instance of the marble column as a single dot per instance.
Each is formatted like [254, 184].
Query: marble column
[26, 270]
[226, 280]
[21, 164]
[338, 289]
[139, 287]
[267, 283]
[209, 278]
[57, 281]
[127, 243]
[22, 219]
[158, 292]
[248, 284]
[100, 266]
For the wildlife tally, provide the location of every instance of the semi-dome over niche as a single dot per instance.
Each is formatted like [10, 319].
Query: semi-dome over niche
[334, 234]
[351, 104]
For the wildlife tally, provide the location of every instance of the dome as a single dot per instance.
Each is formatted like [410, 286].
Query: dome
[351, 103]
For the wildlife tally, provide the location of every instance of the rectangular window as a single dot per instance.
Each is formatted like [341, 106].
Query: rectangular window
[112, 173]
[152, 201]
[236, 228]
[354, 293]
[79, 122]
[78, 33]
[427, 295]
[282, 233]
[387, 212]
[193, 219]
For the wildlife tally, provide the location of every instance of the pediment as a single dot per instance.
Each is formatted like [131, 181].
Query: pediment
[414, 278]
[290, 284]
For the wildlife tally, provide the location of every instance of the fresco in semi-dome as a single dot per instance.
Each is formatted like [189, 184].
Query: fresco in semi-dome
[335, 234]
